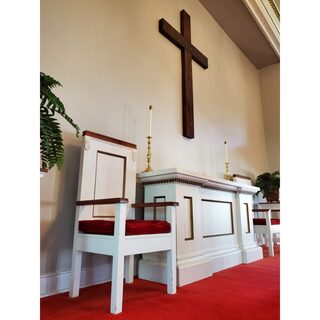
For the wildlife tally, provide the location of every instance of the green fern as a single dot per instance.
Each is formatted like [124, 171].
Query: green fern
[51, 142]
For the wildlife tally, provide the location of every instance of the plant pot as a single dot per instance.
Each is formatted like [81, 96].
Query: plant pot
[43, 172]
[272, 196]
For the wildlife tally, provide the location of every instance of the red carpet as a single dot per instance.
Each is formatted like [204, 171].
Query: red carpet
[244, 292]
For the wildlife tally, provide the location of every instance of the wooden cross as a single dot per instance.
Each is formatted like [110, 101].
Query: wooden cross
[188, 53]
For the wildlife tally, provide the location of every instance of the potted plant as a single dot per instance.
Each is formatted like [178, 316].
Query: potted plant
[269, 184]
[51, 142]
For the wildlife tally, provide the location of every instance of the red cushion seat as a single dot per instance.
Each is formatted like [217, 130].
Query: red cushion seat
[133, 227]
[262, 221]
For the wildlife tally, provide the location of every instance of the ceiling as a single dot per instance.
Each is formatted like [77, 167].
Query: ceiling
[238, 23]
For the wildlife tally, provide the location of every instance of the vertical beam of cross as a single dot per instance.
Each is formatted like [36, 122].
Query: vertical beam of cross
[188, 53]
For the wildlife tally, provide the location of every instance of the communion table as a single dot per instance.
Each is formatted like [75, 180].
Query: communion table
[214, 224]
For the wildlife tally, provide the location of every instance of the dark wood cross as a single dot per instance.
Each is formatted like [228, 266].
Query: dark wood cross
[188, 53]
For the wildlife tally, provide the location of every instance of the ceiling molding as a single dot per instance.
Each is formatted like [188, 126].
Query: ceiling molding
[253, 25]
[267, 19]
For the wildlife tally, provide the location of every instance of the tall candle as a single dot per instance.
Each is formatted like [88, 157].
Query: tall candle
[226, 151]
[150, 121]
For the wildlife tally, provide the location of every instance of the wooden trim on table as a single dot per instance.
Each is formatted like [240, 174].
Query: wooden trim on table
[45, 170]
[155, 204]
[155, 208]
[109, 139]
[101, 201]
[200, 184]
[190, 218]
[248, 216]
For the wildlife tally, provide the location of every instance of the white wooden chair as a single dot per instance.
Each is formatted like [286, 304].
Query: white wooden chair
[263, 222]
[107, 183]
[267, 226]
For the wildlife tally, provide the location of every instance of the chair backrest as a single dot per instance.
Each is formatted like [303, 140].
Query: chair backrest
[107, 170]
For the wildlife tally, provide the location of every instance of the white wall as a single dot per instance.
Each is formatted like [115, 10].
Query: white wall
[270, 96]
[113, 63]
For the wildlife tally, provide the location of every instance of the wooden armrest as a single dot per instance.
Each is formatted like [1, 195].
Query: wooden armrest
[154, 204]
[265, 210]
[101, 201]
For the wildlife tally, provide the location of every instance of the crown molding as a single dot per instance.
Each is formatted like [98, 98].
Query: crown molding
[267, 17]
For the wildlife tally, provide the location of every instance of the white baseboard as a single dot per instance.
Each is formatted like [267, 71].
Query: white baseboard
[191, 269]
[225, 259]
[57, 283]
[251, 254]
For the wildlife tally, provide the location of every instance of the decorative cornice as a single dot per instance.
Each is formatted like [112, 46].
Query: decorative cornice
[267, 19]
[175, 175]
[275, 9]
[198, 184]
[173, 181]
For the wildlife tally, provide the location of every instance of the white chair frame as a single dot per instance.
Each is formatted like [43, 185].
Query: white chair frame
[268, 230]
[119, 246]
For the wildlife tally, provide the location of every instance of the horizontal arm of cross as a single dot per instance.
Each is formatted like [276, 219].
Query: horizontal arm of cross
[174, 36]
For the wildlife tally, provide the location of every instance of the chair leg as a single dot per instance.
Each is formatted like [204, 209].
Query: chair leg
[171, 272]
[262, 239]
[129, 268]
[270, 244]
[276, 238]
[117, 284]
[258, 238]
[75, 274]
[265, 239]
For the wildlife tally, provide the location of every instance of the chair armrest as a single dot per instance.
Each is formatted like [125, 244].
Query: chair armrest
[101, 201]
[155, 204]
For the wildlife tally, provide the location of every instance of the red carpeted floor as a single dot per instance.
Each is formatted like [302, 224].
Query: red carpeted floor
[244, 292]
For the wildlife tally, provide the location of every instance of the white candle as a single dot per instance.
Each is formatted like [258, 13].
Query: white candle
[150, 121]
[226, 151]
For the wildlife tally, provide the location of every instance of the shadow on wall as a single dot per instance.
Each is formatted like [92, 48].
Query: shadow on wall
[57, 228]
[58, 214]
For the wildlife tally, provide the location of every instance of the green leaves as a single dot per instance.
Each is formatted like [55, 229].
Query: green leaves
[51, 142]
[268, 182]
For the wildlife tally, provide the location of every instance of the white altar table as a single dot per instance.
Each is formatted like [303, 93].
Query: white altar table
[214, 224]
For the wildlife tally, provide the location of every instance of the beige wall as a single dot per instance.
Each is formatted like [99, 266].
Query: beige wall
[270, 96]
[113, 63]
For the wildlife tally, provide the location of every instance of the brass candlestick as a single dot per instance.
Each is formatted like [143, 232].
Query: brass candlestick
[148, 168]
[227, 176]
